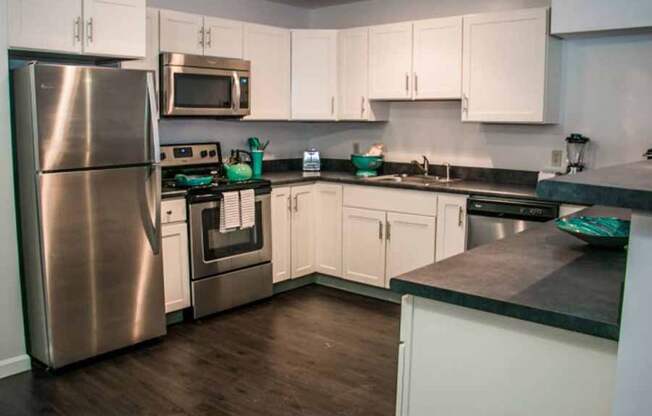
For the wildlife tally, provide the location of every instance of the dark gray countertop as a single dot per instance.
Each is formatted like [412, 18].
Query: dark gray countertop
[173, 193]
[541, 275]
[462, 187]
[624, 186]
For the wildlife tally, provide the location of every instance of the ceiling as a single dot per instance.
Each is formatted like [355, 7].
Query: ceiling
[314, 4]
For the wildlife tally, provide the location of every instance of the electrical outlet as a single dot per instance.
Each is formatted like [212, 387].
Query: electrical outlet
[556, 158]
[356, 148]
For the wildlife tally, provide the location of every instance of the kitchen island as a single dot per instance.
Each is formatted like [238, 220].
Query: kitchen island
[525, 325]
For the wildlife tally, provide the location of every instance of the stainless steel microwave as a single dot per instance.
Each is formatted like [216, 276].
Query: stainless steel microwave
[195, 85]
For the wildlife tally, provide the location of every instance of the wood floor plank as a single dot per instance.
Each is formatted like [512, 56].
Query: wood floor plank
[314, 351]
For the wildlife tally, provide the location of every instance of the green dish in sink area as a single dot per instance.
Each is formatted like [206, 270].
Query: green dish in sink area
[366, 165]
[608, 232]
[193, 180]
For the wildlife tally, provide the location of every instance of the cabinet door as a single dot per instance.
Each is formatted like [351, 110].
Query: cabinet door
[504, 66]
[223, 37]
[303, 230]
[451, 225]
[268, 49]
[37, 25]
[353, 73]
[390, 61]
[438, 59]
[410, 243]
[328, 229]
[115, 28]
[151, 58]
[281, 234]
[176, 269]
[182, 32]
[363, 246]
[314, 74]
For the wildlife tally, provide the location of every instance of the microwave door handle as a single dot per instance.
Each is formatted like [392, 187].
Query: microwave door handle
[153, 114]
[238, 92]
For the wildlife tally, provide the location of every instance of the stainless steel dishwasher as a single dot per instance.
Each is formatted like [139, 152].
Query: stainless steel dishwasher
[492, 219]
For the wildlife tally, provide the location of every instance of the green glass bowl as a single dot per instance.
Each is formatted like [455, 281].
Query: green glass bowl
[609, 232]
[366, 165]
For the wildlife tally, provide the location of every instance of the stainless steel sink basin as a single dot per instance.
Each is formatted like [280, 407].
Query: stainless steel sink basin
[415, 179]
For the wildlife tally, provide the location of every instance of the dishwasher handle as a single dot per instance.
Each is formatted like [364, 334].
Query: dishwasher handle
[517, 209]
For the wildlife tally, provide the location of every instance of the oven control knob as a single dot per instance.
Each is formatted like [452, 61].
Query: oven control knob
[212, 153]
[203, 153]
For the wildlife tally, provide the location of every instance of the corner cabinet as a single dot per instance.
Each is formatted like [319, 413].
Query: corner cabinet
[314, 74]
[511, 68]
[111, 28]
[269, 49]
[328, 229]
[281, 234]
[451, 225]
[176, 266]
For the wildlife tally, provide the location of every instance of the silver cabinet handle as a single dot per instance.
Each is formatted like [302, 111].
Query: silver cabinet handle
[289, 203]
[388, 230]
[332, 105]
[89, 30]
[380, 230]
[465, 103]
[416, 84]
[460, 217]
[201, 36]
[407, 82]
[77, 29]
[362, 107]
[209, 37]
[296, 203]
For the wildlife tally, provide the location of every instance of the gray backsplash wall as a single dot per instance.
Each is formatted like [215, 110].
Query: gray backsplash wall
[606, 90]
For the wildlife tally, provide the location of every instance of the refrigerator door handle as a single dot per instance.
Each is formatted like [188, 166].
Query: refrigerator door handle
[153, 113]
[154, 231]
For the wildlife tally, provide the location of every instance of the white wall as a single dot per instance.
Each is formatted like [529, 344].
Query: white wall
[12, 340]
[256, 11]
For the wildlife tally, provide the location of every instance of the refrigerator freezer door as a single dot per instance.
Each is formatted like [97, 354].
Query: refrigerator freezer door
[91, 117]
[103, 278]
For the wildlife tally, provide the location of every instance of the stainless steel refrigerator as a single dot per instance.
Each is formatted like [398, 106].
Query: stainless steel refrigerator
[89, 195]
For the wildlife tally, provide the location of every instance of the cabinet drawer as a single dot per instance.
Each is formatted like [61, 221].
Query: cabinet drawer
[173, 210]
[397, 200]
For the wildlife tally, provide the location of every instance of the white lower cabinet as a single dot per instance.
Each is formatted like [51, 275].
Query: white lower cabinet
[364, 246]
[281, 233]
[176, 267]
[328, 229]
[410, 243]
[451, 225]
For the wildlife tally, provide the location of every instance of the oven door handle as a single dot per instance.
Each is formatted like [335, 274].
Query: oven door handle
[238, 92]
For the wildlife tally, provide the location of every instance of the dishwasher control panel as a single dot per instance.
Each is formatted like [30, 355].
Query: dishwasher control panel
[513, 208]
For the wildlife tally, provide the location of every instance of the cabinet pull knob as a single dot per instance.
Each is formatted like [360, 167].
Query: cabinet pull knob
[388, 230]
[169, 212]
[89, 29]
[380, 230]
[460, 217]
[77, 29]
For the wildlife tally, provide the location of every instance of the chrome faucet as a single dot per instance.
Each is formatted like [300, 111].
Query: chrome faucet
[425, 168]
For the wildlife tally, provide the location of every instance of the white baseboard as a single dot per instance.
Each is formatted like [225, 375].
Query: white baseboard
[15, 365]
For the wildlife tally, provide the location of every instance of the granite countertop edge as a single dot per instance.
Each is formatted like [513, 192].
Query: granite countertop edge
[523, 312]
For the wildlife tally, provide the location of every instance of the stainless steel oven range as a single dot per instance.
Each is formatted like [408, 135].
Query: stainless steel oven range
[227, 269]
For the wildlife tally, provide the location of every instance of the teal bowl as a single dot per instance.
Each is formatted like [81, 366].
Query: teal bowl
[193, 180]
[607, 232]
[366, 165]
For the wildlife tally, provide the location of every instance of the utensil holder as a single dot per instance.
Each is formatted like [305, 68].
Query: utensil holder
[257, 162]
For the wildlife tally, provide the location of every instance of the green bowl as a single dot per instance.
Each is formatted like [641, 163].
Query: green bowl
[193, 180]
[608, 232]
[366, 165]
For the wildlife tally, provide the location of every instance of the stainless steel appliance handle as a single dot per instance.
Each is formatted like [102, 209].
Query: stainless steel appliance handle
[153, 112]
[380, 230]
[89, 30]
[238, 92]
[153, 231]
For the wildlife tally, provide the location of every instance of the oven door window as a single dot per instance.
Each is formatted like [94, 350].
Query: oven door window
[202, 91]
[219, 245]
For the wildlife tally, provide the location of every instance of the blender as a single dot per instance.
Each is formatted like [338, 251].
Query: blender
[576, 145]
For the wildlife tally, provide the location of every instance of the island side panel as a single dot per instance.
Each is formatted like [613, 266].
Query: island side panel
[464, 362]
[633, 391]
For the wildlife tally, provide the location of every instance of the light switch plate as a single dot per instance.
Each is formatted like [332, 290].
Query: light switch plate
[556, 158]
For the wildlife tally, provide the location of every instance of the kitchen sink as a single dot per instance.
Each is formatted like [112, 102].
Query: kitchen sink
[413, 179]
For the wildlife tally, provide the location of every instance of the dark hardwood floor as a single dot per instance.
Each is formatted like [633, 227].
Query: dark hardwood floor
[313, 351]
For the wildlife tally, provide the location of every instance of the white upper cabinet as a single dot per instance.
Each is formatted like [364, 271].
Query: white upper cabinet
[281, 234]
[223, 38]
[328, 228]
[437, 59]
[115, 28]
[151, 55]
[510, 68]
[268, 49]
[36, 25]
[410, 243]
[314, 74]
[364, 246]
[390, 62]
[182, 32]
[451, 225]
[353, 78]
